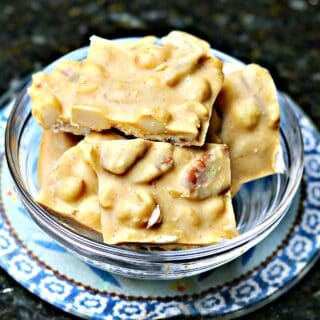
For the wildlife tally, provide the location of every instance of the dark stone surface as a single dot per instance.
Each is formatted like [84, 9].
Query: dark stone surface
[283, 36]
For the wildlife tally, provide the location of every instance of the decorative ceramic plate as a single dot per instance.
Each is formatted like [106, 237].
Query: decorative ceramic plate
[46, 269]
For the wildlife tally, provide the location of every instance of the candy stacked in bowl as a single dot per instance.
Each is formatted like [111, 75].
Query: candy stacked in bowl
[136, 154]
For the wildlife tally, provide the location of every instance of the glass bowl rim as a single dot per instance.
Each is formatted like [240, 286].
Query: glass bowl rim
[106, 249]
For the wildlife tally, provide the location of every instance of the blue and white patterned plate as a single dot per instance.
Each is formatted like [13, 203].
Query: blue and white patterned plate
[45, 268]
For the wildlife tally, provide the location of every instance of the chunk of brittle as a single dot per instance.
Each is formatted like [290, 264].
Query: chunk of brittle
[159, 92]
[71, 189]
[137, 205]
[52, 146]
[52, 96]
[250, 117]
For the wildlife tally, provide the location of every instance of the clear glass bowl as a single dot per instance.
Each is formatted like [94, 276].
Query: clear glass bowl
[256, 215]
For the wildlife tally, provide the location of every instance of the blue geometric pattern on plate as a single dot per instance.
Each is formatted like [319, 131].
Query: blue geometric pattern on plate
[73, 286]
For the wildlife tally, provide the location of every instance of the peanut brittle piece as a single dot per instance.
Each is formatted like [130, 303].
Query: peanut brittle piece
[68, 185]
[159, 92]
[71, 188]
[52, 95]
[53, 145]
[165, 194]
[250, 118]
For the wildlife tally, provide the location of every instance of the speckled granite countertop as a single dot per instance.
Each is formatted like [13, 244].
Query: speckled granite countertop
[283, 36]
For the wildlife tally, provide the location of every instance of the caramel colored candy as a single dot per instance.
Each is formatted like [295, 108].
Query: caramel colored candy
[53, 145]
[154, 91]
[71, 188]
[250, 117]
[137, 206]
[52, 96]
[121, 188]
[159, 92]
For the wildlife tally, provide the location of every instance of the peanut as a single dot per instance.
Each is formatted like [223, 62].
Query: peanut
[186, 126]
[70, 188]
[156, 163]
[155, 217]
[137, 210]
[196, 107]
[89, 213]
[200, 89]
[93, 71]
[153, 120]
[106, 197]
[46, 109]
[91, 117]
[246, 114]
[92, 76]
[274, 115]
[118, 156]
[189, 216]
[215, 207]
[150, 56]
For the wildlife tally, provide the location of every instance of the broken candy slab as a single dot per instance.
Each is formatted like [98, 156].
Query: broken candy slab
[52, 96]
[70, 187]
[159, 92]
[52, 146]
[157, 193]
[154, 189]
[250, 118]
